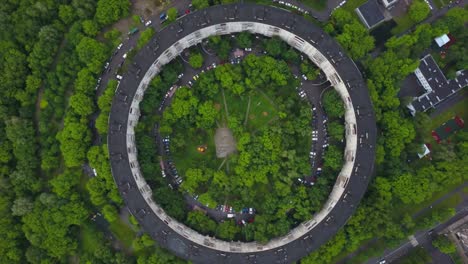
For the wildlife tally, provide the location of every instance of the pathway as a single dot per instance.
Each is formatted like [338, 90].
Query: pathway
[390, 254]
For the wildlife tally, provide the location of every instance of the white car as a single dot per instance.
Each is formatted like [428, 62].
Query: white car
[148, 23]
[107, 65]
[180, 76]
[304, 77]
[119, 77]
[124, 56]
[231, 215]
[120, 46]
[248, 49]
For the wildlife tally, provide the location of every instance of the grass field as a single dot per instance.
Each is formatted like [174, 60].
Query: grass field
[318, 5]
[261, 112]
[123, 232]
[403, 23]
[459, 109]
[88, 238]
[440, 3]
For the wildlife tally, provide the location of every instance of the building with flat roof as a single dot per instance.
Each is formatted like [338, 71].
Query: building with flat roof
[436, 86]
[442, 40]
[370, 13]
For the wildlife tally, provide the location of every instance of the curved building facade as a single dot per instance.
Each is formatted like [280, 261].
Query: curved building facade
[322, 50]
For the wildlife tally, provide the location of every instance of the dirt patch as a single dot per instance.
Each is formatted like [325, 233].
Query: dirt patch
[252, 116]
[148, 8]
[217, 106]
[265, 113]
[225, 142]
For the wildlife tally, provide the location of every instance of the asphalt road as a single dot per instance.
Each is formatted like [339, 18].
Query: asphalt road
[116, 58]
[172, 235]
[424, 237]
[322, 15]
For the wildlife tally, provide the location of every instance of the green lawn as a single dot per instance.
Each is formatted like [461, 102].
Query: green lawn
[415, 208]
[403, 23]
[440, 3]
[123, 232]
[88, 238]
[261, 112]
[352, 5]
[318, 5]
[459, 109]
[448, 203]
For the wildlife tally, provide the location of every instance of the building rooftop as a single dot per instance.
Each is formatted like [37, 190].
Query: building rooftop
[437, 87]
[370, 13]
[442, 40]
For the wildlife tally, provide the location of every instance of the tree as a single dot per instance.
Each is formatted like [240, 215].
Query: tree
[110, 11]
[309, 70]
[110, 213]
[274, 46]
[50, 225]
[244, 39]
[200, 222]
[333, 158]
[336, 130]
[227, 230]
[196, 60]
[332, 104]
[351, 32]
[92, 53]
[90, 28]
[444, 244]
[200, 4]
[411, 189]
[74, 139]
[418, 11]
[207, 115]
[63, 184]
[22, 206]
[81, 104]
[172, 14]
[145, 241]
[66, 14]
[145, 37]
[398, 132]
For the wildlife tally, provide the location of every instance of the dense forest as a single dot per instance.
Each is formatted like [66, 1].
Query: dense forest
[399, 184]
[50, 60]
[271, 125]
[51, 55]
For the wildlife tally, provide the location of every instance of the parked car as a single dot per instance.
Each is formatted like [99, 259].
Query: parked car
[119, 77]
[231, 215]
[148, 23]
[120, 46]
[251, 210]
